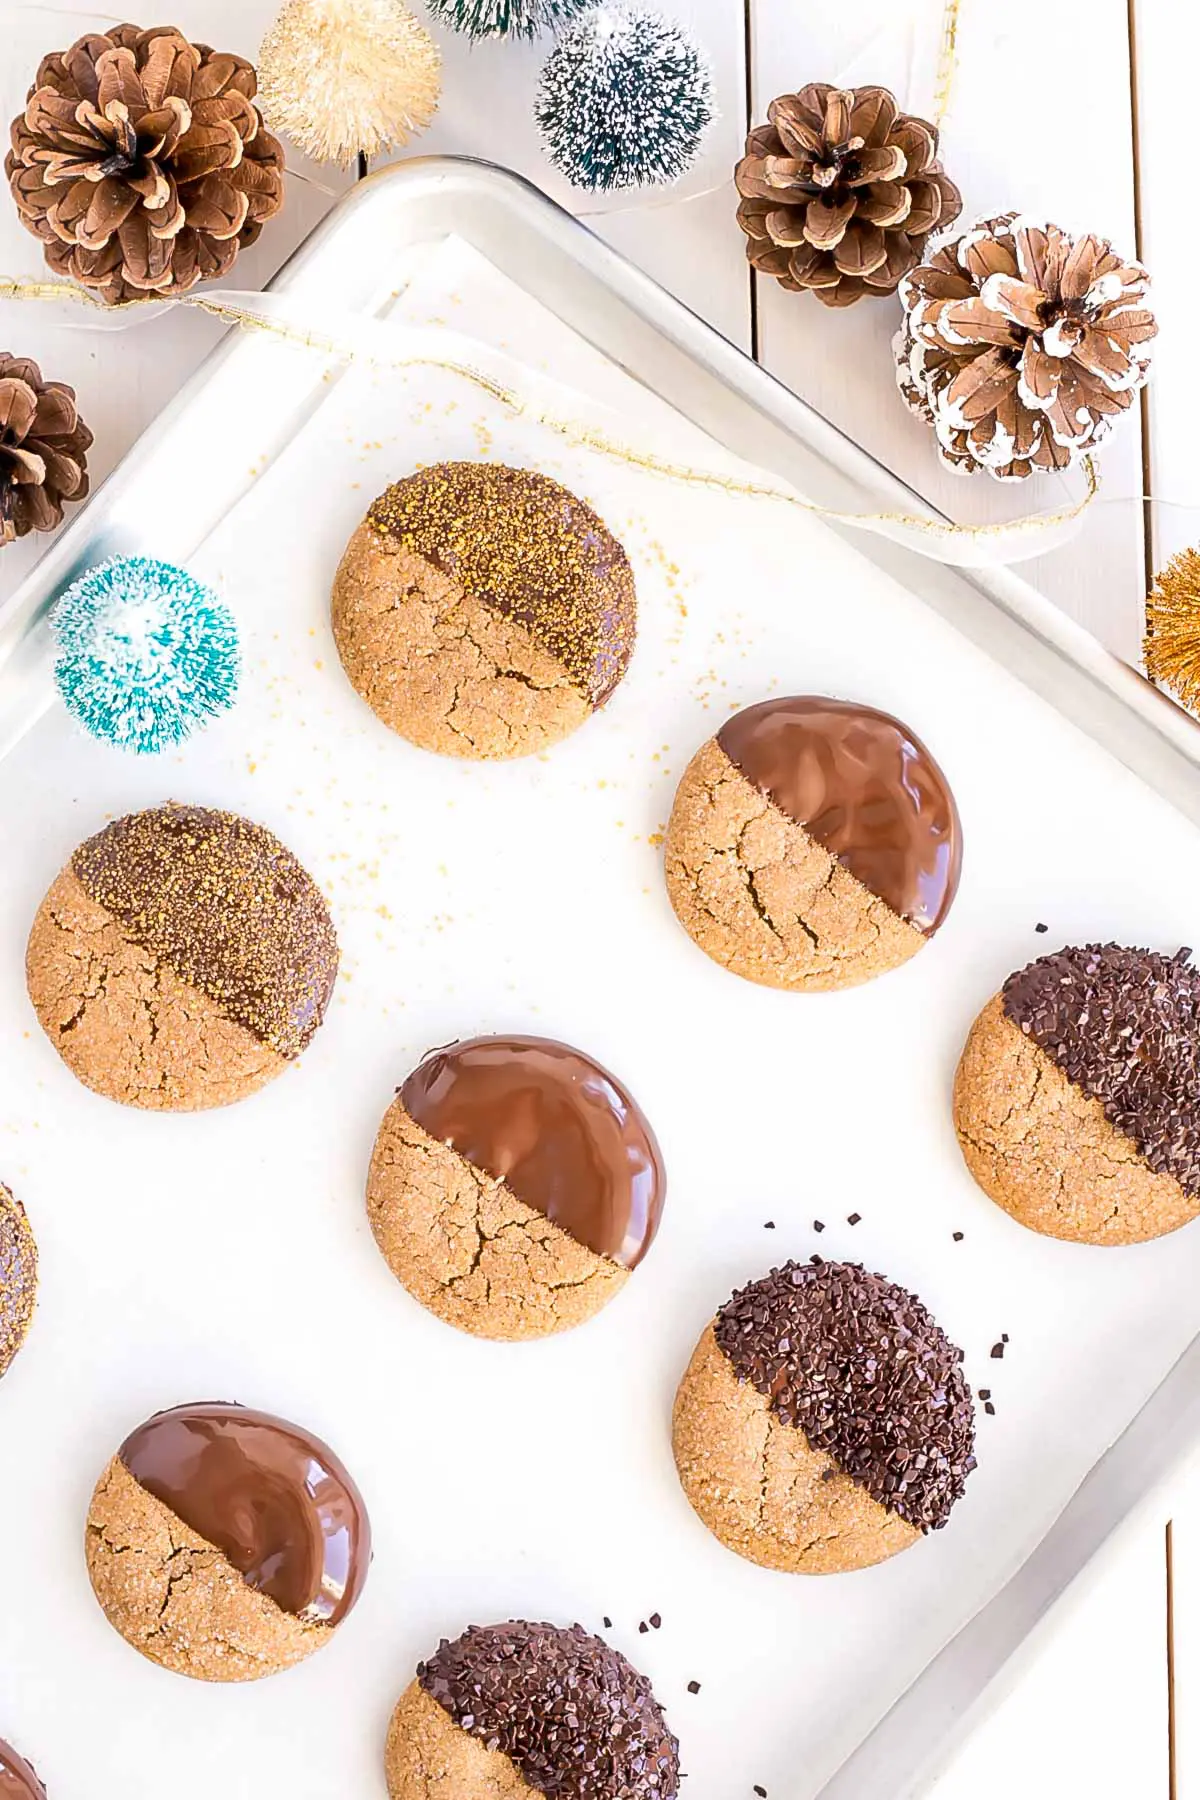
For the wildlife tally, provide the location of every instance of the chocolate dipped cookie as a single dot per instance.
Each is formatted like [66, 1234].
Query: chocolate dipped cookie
[514, 1186]
[483, 611]
[518, 1711]
[225, 1543]
[813, 843]
[18, 1780]
[1077, 1097]
[18, 1278]
[824, 1422]
[182, 959]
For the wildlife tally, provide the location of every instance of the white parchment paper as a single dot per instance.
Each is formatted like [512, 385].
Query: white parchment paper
[227, 1255]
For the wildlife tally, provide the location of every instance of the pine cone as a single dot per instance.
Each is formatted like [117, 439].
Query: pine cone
[840, 191]
[142, 162]
[43, 449]
[1021, 344]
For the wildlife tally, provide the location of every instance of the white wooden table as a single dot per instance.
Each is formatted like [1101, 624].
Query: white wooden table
[1042, 116]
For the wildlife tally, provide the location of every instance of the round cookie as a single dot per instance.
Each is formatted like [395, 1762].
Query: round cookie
[813, 843]
[1077, 1097]
[514, 1186]
[226, 1544]
[181, 960]
[824, 1422]
[483, 611]
[18, 1781]
[517, 1711]
[18, 1277]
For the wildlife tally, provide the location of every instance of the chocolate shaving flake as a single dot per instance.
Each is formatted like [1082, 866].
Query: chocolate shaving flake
[998, 1350]
[693, 1687]
[575, 1719]
[860, 1366]
[957, 1236]
[853, 1218]
[1124, 1026]
[818, 1225]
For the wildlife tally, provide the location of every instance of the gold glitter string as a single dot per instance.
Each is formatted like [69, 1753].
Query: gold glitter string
[947, 63]
[354, 339]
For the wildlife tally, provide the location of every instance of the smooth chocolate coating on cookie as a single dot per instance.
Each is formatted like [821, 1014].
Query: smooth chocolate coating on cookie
[18, 1276]
[17, 1779]
[864, 788]
[562, 1132]
[857, 1364]
[271, 1497]
[1124, 1026]
[529, 548]
[228, 907]
[572, 1715]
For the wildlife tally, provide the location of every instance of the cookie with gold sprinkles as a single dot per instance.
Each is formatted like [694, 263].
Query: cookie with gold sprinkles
[182, 959]
[483, 611]
[18, 1279]
[520, 1710]
[1076, 1097]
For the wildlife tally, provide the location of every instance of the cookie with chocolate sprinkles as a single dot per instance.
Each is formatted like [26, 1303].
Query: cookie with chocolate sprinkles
[824, 1422]
[483, 611]
[182, 959]
[520, 1710]
[18, 1276]
[1077, 1097]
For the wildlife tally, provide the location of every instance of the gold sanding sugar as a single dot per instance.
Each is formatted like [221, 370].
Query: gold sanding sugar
[523, 544]
[227, 907]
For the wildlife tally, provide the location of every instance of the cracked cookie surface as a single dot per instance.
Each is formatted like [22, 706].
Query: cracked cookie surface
[429, 1757]
[175, 1598]
[467, 1248]
[18, 1276]
[760, 1487]
[1045, 1151]
[762, 898]
[124, 1022]
[438, 665]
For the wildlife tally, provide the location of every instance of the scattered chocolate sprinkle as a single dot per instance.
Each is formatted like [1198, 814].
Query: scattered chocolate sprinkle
[1004, 1337]
[656, 1621]
[527, 547]
[18, 1276]
[818, 1225]
[860, 1366]
[985, 1393]
[853, 1218]
[989, 1408]
[1040, 927]
[693, 1687]
[957, 1236]
[607, 1624]
[998, 1349]
[760, 1791]
[769, 1225]
[643, 1627]
[1124, 1026]
[227, 907]
[574, 1717]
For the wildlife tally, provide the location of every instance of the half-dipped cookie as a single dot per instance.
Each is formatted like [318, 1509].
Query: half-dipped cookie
[517, 1711]
[225, 1543]
[514, 1185]
[483, 611]
[1077, 1098]
[182, 959]
[824, 1422]
[813, 843]
[18, 1278]
[18, 1780]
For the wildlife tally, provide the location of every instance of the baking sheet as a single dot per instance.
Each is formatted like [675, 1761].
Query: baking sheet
[227, 1255]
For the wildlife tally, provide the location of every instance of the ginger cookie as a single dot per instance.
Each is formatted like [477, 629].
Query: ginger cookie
[514, 1185]
[18, 1279]
[181, 960]
[18, 1780]
[226, 1544]
[516, 1711]
[1077, 1098]
[824, 1422]
[813, 843]
[483, 611]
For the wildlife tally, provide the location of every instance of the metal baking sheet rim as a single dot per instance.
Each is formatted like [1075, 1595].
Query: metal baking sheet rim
[623, 312]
